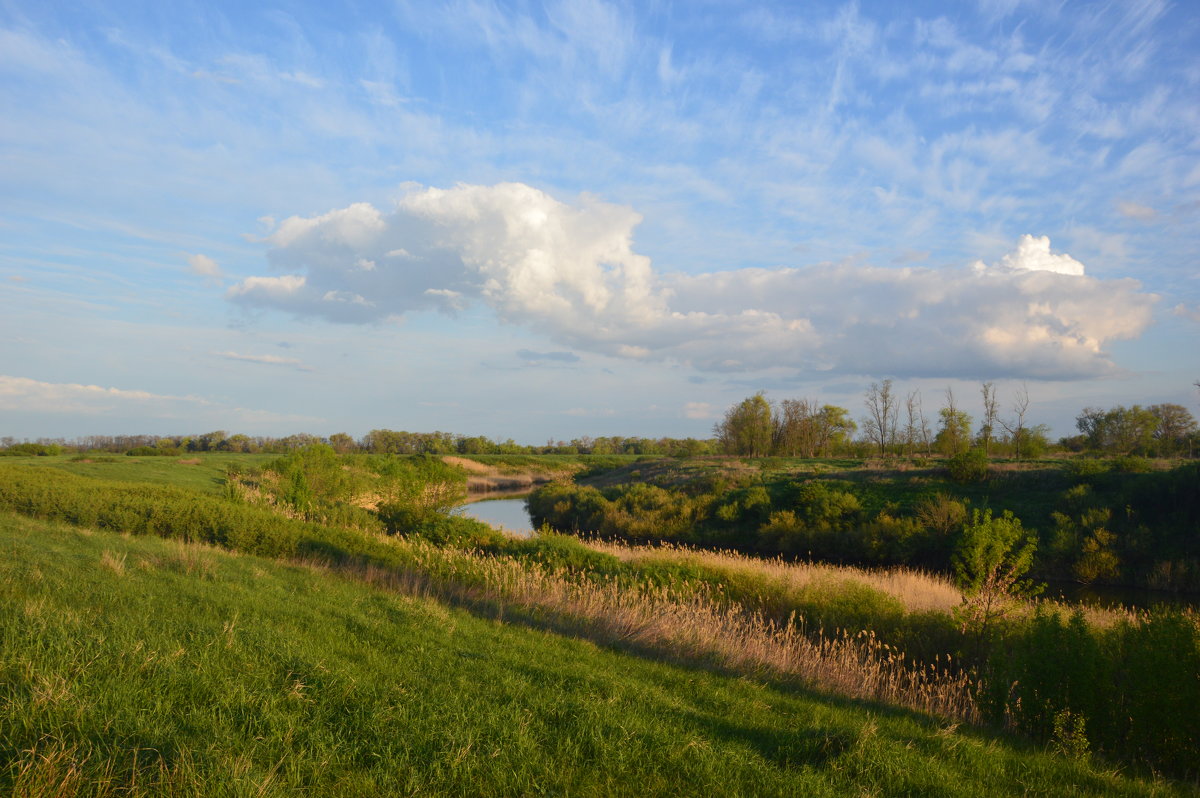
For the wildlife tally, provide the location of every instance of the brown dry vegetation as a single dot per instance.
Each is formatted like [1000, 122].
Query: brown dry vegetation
[688, 626]
[487, 477]
[918, 591]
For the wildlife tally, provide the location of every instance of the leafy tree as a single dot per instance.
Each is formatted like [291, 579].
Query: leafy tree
[747, 428]
[1175, 426]
[342, 443]
[954, 433]
[954, 428]
[803, 429]
[990, 564]
[1121, 430]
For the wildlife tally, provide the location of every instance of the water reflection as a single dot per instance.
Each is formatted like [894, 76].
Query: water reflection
[1113, 597]
[505, 511]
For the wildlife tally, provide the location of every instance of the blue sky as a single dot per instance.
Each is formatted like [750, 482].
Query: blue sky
[547, 220]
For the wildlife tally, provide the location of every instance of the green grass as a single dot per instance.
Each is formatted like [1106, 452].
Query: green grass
[137, 666]
[206, 476]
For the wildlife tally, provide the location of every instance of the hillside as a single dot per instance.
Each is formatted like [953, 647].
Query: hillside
[138, 666]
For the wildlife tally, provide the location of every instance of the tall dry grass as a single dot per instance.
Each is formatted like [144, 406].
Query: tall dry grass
[917, 591]
[692, 626]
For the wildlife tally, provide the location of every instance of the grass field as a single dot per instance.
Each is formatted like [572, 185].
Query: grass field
[201, 471]
[140, 666]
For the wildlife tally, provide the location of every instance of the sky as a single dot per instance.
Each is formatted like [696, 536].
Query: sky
[544, 220]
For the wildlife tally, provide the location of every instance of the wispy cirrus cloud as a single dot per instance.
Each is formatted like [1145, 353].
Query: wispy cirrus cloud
[26, 395]
[266, 360]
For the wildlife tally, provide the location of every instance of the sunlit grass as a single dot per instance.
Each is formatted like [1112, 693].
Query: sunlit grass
[195, 671]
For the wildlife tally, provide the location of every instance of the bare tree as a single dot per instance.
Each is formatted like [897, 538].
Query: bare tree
[988, 389]
[926, 433]
[880, 424]
[1016, 429]
[916, 427]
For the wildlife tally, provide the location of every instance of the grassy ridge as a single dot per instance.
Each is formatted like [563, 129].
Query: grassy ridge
[138, 666]
[201, 471]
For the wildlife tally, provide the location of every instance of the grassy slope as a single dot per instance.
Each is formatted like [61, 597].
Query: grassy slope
[146, 664]
[206, 476]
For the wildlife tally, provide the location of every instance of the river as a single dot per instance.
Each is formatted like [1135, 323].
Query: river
[502, 510]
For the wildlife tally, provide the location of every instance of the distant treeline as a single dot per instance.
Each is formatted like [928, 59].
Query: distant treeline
[378, 441]
[898, 425]
[893, 425]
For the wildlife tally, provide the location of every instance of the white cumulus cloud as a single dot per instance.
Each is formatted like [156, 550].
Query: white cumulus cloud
[1033, 255]
[571, 272]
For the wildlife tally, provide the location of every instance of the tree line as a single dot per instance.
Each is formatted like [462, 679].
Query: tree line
[898, 424]
[377, 441]
[893, 424]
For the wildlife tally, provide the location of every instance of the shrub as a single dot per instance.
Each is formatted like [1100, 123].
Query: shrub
[1131, 464]
[1086, 467]
[562, 551]
[970, 466]
[990, 564]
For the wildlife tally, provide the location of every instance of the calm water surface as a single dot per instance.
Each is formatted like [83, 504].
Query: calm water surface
[506, 512]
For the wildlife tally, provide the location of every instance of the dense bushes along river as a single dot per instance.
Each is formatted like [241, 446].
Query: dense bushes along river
[1093, 525]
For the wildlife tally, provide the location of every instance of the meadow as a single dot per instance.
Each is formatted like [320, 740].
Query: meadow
[675, 628]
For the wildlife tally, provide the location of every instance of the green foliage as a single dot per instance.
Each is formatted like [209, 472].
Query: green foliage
[825, 506]
[747, 429]
[954, 432]
[152, 451]
[1131, 464]
[563, 551]
[1087, 466]
[150, 510]
[449, 530]
[1128, 691]
[968, 466]
[32, 450]
[990, 563]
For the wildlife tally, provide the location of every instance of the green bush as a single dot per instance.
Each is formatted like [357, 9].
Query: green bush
[1131, 464]
[1086, 467]
[1131, 689]
[967, 467]
[151, 451]
[563, 551]
[32, 450]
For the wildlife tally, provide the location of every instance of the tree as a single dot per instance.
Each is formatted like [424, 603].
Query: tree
[990, 563]
[1121, 430]
[795, 428]
[1016, 428]
[912, 411]
[803, 429]
[1175, 426]
[747, 427]
[882, 410]
[988, 389]
[954, 433]
[341, 442]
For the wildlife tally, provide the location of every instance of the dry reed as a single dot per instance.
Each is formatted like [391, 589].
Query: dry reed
[691, 626]
[917, 591]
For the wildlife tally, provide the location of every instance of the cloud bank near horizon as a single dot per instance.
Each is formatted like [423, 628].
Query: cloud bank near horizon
[570, 272]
